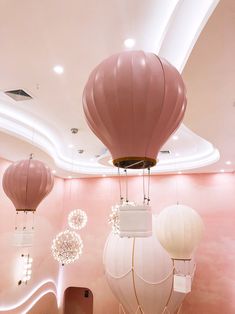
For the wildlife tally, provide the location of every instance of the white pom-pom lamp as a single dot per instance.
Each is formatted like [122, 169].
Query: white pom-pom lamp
[179, 229]
[77, 219]
[67, 247]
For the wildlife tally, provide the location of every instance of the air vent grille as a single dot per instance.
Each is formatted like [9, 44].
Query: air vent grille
[165, 152]
[18, 94]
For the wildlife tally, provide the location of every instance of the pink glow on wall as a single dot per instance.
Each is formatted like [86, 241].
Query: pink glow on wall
[212, 195]
[47, 304]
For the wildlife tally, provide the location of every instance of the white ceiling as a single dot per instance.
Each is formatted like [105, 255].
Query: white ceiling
[37, 35]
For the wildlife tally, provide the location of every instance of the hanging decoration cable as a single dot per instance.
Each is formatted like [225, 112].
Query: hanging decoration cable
[120, 186]
[146, 197]
[144, 193]
[127, 200]
[149, 177]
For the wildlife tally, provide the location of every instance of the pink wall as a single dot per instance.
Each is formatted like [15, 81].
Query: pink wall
[47, 304]
[211, 194]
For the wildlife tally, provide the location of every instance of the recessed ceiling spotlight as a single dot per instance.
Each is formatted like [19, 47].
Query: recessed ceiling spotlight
[53, 171]
[70, 146]
[103, 175]
[129, 42]
[175, 137]
[69, 177]
[221, 170]
[74, 130]
[179, 172]
[58, 69]
[228, 162]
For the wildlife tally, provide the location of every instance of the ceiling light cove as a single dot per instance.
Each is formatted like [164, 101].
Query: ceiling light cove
[228, 162]
[175, 137]
[58, 69]
[129, 42]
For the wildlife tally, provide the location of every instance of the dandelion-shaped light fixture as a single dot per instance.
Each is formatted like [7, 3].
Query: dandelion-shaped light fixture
[77, 219]
[114, 219]
[67, 247]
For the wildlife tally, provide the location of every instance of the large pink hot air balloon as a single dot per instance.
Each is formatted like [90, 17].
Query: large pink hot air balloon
[133, 101]
[27, 183]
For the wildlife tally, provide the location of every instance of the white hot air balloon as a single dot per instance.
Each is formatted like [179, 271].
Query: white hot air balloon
[179, 229]
[140, 273]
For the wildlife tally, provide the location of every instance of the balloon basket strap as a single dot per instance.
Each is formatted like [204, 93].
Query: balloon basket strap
[24, 220]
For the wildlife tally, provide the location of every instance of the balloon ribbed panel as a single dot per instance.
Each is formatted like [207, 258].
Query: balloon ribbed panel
[26, 183]
[159, 268]
[133, 101]
[118, 265]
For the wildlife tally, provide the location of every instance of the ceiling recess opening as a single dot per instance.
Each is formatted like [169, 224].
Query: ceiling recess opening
[18, 94]
[165, 152]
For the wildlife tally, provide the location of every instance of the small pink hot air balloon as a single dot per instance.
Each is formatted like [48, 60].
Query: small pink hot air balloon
[27, 183]
[133, 101]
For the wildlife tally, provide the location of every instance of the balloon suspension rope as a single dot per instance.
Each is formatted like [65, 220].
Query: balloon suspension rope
[177, 188]
[16, 220]
[120, 186]
[127, 200]
[33, 221]
[146, 198]
[32, 138]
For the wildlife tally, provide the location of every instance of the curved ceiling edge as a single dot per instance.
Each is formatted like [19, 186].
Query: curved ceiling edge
[33, 296]
[207, 155]
[188, 20]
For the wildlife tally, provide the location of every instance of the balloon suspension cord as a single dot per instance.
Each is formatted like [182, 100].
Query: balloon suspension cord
[146, 198]
[120, 186]
[127, 200]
